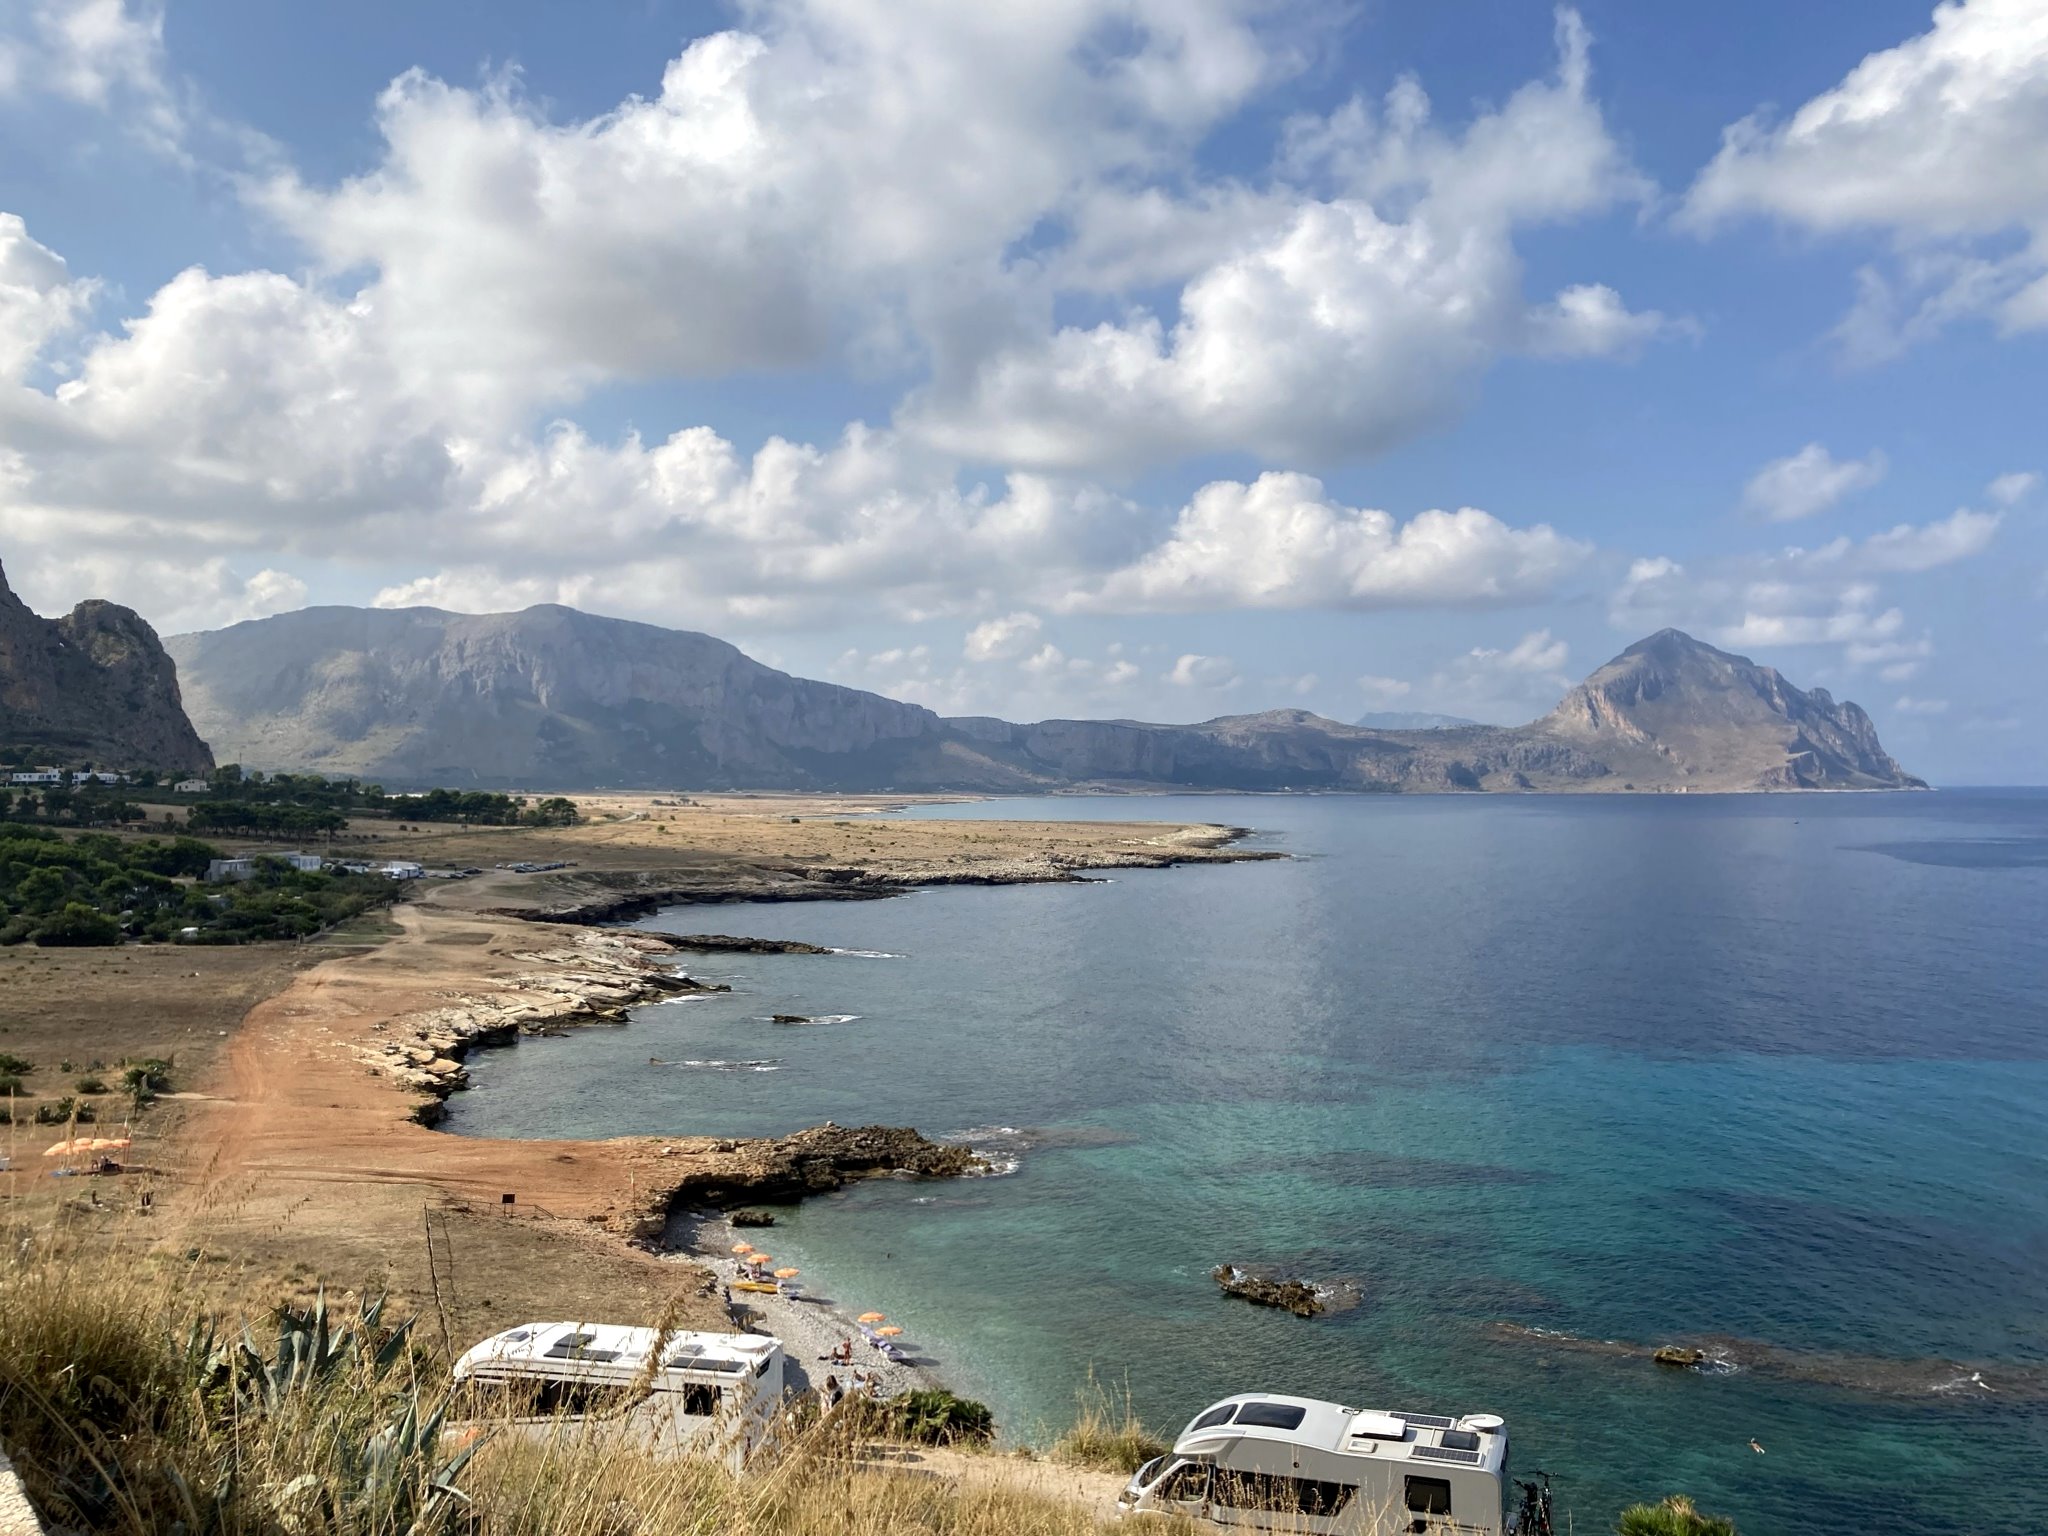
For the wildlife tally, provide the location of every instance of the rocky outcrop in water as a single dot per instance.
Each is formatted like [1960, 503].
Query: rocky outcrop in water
[1296, 1296]
[95, 686]
[726, 944]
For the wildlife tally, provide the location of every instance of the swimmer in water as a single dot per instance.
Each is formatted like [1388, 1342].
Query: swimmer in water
[1756, 1445]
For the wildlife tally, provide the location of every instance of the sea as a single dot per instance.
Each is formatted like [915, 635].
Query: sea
[1531, 1085]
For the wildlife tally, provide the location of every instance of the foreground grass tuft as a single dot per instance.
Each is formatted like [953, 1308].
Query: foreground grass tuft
[1676, 1516]
[1107, 1435]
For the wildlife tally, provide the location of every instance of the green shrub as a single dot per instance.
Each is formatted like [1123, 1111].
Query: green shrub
[15, 1066]
[144, 1080]
[937, 1418]
[77, 924]
[11, 1087]
[63, 1111]
[90, 1085]
[1676, 1516]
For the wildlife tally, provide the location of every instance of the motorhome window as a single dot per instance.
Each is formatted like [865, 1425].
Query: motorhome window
[762, 1368]
[578, 1399]
[699, 1398]
[1186, 1483]
[1277, 1494]
[1458, 1440]
[1429, 1495]
[1272, 1415]
[1214, 1417]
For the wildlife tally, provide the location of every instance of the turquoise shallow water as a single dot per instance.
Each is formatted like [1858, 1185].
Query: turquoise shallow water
[1771, 1073]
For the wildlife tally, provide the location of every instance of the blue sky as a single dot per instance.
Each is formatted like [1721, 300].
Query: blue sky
[1091, 357]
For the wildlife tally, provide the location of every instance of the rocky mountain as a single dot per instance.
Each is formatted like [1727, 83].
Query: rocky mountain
[1409, 720]
[551, 697]
[92, 687]
[547, 696]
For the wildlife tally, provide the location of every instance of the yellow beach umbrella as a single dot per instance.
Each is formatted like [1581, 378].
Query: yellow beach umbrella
[742, 1247]
[64, 1149]
[891, 1332]
[873, 1317]
[787, 1274]
[761, 1259]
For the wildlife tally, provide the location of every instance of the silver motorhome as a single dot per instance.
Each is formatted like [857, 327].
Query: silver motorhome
[708, 1394]
[1298, 1464]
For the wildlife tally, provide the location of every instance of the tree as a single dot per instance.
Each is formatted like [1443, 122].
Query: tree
[41, 890]
[77, 924]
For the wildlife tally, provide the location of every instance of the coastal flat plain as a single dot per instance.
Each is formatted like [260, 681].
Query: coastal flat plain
[1549, 1081]
[286, 1161]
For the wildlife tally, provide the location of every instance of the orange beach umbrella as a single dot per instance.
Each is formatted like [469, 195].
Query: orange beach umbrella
[758, 1258]
[873, 1317]
[742, 1247]
[787, 1273]
[891, 1332]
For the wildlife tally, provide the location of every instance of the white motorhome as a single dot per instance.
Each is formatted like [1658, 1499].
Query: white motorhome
[1297, 1464]
[715, 1395]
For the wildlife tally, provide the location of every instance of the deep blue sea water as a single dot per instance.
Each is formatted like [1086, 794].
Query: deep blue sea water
[1769, 1071]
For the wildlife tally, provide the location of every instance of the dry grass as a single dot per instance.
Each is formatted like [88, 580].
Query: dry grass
[130, 1411]
[1106, 1433]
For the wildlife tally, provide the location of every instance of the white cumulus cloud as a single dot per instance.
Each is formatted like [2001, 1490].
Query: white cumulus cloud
[1279, 542]
[1808, 482]
[1936, 141]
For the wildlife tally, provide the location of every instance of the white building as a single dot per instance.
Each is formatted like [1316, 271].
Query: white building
[94, 776]
[402, 869]
[309, 863]
[219, 870]
[37, 776]
[190, 787]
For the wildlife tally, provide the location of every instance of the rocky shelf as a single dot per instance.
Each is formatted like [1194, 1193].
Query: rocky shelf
[594, 979]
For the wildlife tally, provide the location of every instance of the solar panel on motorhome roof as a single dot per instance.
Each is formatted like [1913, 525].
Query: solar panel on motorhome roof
[1427, 1420]
[1441, 1453]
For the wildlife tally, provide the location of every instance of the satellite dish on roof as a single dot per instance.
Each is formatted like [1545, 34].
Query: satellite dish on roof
[1485, 1423]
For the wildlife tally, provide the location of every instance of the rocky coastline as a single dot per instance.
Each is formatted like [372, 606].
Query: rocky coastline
[594, 979]
[599, 897]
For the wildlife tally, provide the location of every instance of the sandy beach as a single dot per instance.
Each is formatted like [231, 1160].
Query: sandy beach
[809, 1320]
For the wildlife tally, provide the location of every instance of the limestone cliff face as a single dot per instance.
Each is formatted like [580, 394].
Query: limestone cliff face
[1672, 708]
[545, 696]
[94, 686]
[553, 697]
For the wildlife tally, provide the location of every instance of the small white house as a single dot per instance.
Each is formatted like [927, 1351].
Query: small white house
[402, 869]
[190, 787]
[308, 863]
[37, 776]
[219, 870]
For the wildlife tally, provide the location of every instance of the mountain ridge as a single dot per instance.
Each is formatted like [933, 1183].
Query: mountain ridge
[552, 696]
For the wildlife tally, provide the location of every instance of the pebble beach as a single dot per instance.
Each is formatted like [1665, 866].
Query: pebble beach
[809, 1321]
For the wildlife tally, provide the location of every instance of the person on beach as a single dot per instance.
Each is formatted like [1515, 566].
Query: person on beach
[832, 1391]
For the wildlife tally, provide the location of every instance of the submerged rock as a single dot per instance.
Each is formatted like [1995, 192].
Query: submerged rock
[725, 943]
[1296, 1296]
[789, 1018]
[1679, 1357]
[750, 1218]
